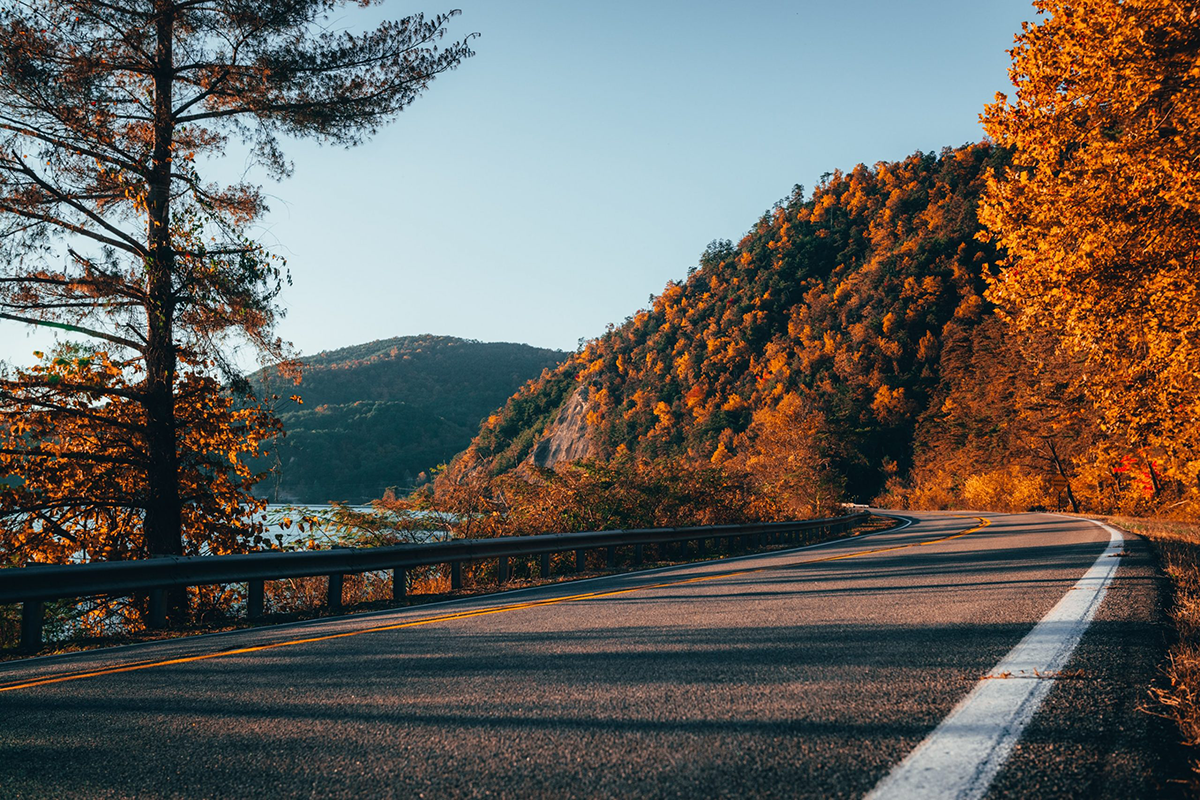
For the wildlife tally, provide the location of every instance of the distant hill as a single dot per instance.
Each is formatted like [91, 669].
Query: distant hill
[378, 414]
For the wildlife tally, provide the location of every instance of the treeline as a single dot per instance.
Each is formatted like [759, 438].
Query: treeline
[1008, 325]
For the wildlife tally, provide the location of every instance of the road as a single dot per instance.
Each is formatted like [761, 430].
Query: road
[802, 673]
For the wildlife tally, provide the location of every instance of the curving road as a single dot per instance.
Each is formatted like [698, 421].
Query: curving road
[802, 673]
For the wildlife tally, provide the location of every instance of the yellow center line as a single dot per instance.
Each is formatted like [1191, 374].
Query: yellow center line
[75, 676]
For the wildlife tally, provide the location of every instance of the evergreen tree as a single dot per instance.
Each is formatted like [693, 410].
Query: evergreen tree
[109, 112]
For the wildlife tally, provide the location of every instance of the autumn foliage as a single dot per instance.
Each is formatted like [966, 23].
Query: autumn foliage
[74, 474]
[875, 341]
[1098, 215]
[74, 468]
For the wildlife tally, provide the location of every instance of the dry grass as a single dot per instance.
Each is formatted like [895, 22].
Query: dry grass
[1177, 545]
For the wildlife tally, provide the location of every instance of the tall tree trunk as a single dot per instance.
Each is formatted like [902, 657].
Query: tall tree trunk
[163, 514]
[1153, 473]
[1061, 471]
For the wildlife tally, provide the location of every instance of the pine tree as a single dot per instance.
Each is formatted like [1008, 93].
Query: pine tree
[109, 113]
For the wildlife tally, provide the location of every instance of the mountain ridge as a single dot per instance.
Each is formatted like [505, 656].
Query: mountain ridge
[381, 413]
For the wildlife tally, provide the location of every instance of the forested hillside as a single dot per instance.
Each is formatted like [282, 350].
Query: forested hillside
[377, 415]
[829, 317]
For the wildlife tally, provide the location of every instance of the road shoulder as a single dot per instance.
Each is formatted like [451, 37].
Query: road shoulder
[1099, 733]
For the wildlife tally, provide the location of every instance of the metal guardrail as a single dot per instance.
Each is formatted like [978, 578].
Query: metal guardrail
[31, 586]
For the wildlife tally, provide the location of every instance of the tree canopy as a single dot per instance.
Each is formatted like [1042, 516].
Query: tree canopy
[1099, 211]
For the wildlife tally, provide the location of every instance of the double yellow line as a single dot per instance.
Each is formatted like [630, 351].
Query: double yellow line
[76, 676]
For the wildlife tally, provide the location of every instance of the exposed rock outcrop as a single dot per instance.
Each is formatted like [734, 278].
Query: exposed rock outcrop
[567, 438]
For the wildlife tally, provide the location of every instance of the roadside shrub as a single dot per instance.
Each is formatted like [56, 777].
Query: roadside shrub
[1011, 490]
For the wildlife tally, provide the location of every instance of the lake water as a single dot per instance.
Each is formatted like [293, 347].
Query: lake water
[325, 531]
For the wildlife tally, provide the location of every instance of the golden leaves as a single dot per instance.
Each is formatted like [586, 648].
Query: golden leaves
[1100, 212]
[77, 442]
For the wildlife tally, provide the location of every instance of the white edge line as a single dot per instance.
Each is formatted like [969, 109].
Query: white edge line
[963, 755]
[38, 661]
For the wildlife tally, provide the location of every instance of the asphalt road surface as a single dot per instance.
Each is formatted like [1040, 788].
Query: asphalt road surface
[801, 673]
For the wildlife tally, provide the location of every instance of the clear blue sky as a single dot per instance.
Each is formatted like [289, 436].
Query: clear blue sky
[589, 151]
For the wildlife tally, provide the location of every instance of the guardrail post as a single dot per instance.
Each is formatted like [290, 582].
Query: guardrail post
[255, 599]
[335, 591]
[32, 615]
[157, 617]
[639, 553]
[399, 583]
[502, 570]
[455, 575]
[580, 560]
[545, 566]
[611, 560]
[158, 609]
[701, 549]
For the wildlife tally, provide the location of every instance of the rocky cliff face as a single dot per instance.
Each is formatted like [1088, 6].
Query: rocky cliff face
[566, 438]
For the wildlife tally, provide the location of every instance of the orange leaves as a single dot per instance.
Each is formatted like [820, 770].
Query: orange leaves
[927, 348]
[720, 455]
[592, 368]
[734, 403]
[1099, 213]
[890, 406]
[79, 447]
[683, 366]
